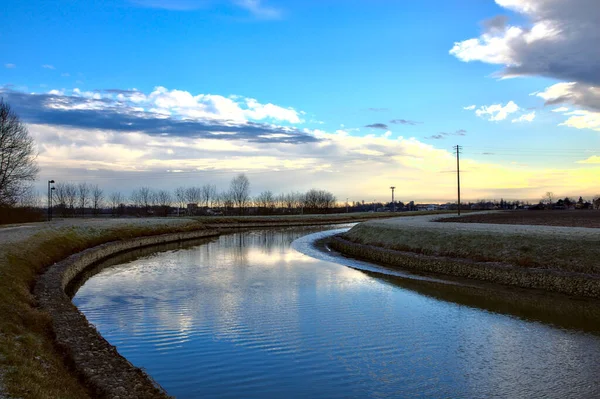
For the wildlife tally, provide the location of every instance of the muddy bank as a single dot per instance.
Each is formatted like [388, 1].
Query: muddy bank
[570, 283]
[97, 362]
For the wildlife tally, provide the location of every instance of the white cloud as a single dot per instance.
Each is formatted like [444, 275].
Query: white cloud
[259, 111]
[560, 109]
[525, 117]
[594, 159]
[336, 162]
[470, 107]
[497, 112]
[179, 103]
[558, 41]
[259, 9]
[48, 66]
[10, 66]
[582, 119]
[574, 93]
[65, 75]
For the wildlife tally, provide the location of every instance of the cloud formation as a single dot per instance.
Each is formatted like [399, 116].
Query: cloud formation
[48, 66]
[404, 122]
[443, 135]
[257, 8]
[470, 107]
[10, 66]
[573, 93]
[497, 112]
[525, 118]
[162, 112]
[378, 126]
[560, 41]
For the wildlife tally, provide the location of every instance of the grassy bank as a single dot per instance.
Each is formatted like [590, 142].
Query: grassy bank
[30, 362]
[565, 252]
[560, 262]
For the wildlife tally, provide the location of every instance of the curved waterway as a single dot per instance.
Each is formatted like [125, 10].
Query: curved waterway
[264, 314]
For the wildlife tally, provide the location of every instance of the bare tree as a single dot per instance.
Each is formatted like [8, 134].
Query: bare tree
[193, 195]
[71, 195]
[319, 200]
[142, 198]
[240, 191]
[265, 201]
[29, 198]
[209, 192]
[180, 198]
[548, 199]
[163, 200]
[596, 202]
[60, 193]
[226, 200]
[116, 199]
[17, 156]
[97, 198]
[83, 190]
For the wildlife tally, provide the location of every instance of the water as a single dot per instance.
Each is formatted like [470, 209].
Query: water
[251, 315]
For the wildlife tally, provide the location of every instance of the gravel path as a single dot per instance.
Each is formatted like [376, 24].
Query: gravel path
[428, 221]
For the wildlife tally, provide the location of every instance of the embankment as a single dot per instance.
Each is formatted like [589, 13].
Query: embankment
[557, 259]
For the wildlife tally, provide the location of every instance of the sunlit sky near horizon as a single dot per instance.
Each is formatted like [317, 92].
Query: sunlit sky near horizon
[350, 96]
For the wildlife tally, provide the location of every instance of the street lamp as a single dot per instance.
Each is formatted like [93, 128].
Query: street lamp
[393, 204]
[50, 199]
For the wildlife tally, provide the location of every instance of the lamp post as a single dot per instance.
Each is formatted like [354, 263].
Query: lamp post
[393, 203]
[50, 199]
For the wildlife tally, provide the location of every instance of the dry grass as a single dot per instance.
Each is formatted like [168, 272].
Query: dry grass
[573, 253]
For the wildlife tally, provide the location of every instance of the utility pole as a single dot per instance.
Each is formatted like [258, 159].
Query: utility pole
[457, 149]
[346, 205]
[393, 203]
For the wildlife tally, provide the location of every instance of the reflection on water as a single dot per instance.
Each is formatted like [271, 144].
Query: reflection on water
[248, 316]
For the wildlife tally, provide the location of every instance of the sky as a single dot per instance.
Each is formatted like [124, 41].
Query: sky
[350, 96]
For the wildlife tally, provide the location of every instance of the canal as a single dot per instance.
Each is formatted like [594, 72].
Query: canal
[265, 314]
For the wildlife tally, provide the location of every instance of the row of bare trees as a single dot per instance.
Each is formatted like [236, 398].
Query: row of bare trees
[74, 199]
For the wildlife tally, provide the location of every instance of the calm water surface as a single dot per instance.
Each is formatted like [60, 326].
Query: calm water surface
[250, 315]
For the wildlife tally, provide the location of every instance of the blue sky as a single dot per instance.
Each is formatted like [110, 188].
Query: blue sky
[340, 66]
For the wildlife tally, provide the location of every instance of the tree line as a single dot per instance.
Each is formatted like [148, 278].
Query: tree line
[70, 199]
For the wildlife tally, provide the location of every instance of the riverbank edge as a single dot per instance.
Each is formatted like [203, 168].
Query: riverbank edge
[96, 362]
[569, 283]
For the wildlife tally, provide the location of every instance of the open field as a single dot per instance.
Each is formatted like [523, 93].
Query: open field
[31, 366]
[569, 218]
